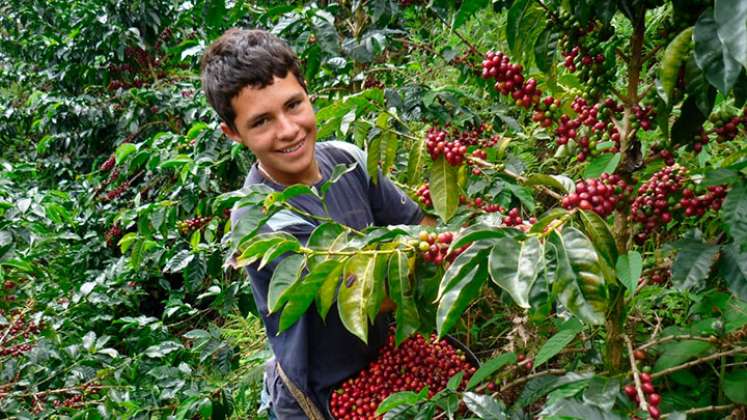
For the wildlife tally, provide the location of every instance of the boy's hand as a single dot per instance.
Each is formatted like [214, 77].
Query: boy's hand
[387, 305]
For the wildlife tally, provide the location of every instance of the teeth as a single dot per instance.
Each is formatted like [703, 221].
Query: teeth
[293, 149]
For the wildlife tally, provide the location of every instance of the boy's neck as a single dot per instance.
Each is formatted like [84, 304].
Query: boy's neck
[314, 175]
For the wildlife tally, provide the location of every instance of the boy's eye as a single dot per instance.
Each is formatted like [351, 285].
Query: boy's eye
[259, 122]
[294, 104]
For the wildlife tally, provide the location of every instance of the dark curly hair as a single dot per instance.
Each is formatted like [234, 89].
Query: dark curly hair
[240, 58]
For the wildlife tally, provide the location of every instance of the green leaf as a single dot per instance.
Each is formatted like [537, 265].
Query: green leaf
[463, 264]
[481, 232]
[390, 145]
[606, 163]
[325, 237]
[629, 269]
[514, 266]
[260, 245]
[525, 22]
[690, 121]
[557, 342]
[337, 173]
[733, 267]
[731, 19]
[406, 398]
[524, 195]
[579, 284]
[734, 213]
[415, 162]
[602, 392]
[301, 293]
[124, 150]
[488, 368]
[692, 264]
[179, 261]
[712, 56]
[401, 292]
[600, 235]
[357, 295]
[680, 352]
[485, 406]
[457, 298]
[735, 386]
[559, 182]
[546, 49]
[467, 10]
[294, 191]
[574, 409]
[674, 56]
[278, 250]
[287, 272]
[444, 188]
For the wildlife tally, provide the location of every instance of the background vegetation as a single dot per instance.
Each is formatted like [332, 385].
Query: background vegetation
[116, 183]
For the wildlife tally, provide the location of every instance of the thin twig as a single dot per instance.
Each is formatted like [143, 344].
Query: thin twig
[708, 409]
[699, 361]
[469, 44]
[530, 377]
[636, 376]
[675, 337]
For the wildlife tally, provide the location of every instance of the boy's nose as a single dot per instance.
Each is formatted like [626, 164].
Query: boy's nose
[287, 130]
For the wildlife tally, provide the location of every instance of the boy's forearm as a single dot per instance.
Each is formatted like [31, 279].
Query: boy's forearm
[428, 221]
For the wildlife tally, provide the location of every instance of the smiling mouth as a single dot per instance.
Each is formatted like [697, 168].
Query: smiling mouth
[293, 148]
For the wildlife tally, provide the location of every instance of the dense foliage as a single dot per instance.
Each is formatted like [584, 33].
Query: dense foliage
[586, 160]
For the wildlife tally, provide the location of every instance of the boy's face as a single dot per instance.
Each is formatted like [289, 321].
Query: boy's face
[277, 123]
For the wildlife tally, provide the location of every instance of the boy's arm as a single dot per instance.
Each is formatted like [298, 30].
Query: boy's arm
[428, 221]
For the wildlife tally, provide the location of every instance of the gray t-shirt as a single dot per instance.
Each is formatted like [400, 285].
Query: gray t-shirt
[318, 354]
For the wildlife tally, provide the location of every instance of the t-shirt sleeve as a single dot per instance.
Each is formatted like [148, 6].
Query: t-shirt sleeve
[390, 205]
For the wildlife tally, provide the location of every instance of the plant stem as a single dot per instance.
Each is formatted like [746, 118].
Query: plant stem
[699, 361]
[614, 323]
[675, 337]
[527, 378]
[636, 376]
[708, 409]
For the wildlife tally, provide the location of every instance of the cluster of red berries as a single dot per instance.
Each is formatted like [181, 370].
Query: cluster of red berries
[481, 204]
[601, 196]
[729, 128]
[108, 164]
[146, 63]
[438, 144]
[644, 117]
[655, 200]
[651, 396]
[657, 275]
[697, 205]
[115, 193]
[513, 218]
[700, 140]
[547, 111]
[415, 364]
[574, 58]
[510, 79]
[15, 350]
[189, 225]
[112, 235]
[424, 195]
[20, 328]
[667, 156]
[372, 82]
[435, 247]
[469, 137]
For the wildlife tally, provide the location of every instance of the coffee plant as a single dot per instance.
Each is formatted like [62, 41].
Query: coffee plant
[586, 162]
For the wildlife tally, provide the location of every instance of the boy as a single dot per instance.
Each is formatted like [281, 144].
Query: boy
[253, 81]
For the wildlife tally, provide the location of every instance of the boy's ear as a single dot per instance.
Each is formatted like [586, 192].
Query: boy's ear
[230, 132]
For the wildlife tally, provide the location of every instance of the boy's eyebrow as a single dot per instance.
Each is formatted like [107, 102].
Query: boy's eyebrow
[296, 97]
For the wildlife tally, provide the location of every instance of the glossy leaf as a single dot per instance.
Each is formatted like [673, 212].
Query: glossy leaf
[415, 162]
[629, 269]
[734, 213]
[733, 267]
[463, 264]
[279, 249]
[287, 272]
[485, 406]
[606, 163]
[579, 284]
[477, 233]
[323, 238]
[559, 182]
[601, 236]
[444, 188]
[458, 297]
[731, 19]
[546, 49]
[357, 295]
[721, 69]
[558, 342]
[488, 368]
[467, 10]
[693, 263]
[300, 294]
[680, 352]
[674, 56]
[401, 292]
[514, 266]
[735, 386]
